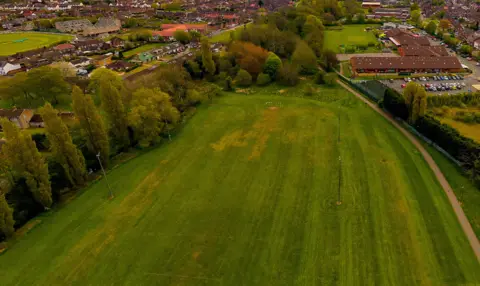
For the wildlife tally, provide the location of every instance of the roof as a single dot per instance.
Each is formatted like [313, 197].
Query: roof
[404, 38]
[36, 118]
[369, 63]
[11, 113]
[62, 47]
[431, 51]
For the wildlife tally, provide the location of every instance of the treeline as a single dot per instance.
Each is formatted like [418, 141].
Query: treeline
[279, 47]
[455, 100]
[110, 118]
[463, 149]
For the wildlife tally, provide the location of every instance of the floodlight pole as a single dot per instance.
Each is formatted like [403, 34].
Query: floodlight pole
[105, 175]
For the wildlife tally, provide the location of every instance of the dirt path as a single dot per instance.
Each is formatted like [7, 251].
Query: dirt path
[467, 228]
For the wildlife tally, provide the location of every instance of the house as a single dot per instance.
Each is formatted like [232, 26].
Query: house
[89, 45]
[20, 117]
[6, 68]
[120, 66]
[103, 60]
[145, 57]
[168, 30]
[117, 42]
[64, 48]
[80, 62]
[37, 121]
[401, 38]
[371, 4]
[476, 44]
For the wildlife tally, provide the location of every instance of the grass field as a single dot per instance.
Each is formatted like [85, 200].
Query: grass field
[350, 35]
[141, 49]
[28, 41]
[246, 195]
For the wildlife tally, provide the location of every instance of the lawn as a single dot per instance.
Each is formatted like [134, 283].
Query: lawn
[348, 36]
[141, 49]
[12, 43]
[470, 130]
[246, 194]
[224, 37]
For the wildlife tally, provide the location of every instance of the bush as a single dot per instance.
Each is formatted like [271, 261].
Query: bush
[263, 79]
[330, 78]
[228, 85]
[395, 103]
[289, 74]
[243, 78]
[320, 77]
[309, 90]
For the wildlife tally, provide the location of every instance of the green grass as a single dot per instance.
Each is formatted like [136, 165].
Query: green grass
[466, 192]
[224, 37]
[350, 35]
[246, 195]
[33, 41]
[141, 49]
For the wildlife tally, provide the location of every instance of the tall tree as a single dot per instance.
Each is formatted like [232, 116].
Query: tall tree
[6, 217]
[431, 28]
[416, 17]
[65, 152]
[47, 84]
[305, 58]
[151, 111]
[416, 100]
[207, 60]
[109, 87]
[27, 162]
[91, 124]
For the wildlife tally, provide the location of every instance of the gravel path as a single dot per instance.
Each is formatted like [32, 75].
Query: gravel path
[467, 228]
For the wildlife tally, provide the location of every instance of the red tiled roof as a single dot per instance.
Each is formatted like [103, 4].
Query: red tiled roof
[371, 63]
[62, 47]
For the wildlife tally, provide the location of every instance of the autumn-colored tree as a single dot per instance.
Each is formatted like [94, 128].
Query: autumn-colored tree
[63, 149]
[6, 217]
[151, 111]
[92, 126]
[207, 60]
[249, 56]
[27, 162]
[444, 25]
[109, 87]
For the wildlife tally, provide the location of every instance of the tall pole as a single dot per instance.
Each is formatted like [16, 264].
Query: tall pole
[105, 175]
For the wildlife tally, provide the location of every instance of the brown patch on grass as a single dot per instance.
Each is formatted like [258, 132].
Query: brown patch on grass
[235, 139]
[196, 254]
[281, 91]
[3, 247]
[273, 107]
[27, 227]
[263, 129]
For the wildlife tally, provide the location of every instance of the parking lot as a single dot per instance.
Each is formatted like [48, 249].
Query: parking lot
[439, 85]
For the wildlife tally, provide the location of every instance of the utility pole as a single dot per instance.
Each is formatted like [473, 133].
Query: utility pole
[105, 175]
[339, 199]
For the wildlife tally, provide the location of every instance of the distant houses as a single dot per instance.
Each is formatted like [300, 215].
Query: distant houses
[20, 117]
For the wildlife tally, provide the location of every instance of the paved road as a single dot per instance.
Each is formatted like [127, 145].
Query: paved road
[467, 228]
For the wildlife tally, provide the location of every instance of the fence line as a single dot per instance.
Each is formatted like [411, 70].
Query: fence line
[376, 96]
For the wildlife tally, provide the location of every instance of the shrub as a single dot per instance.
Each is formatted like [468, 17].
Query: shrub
[309, 90]
[330, 78]
[263, 79]
[228, 85]
[272, 65]
[243, 78]
[320, 77]
[395, 103]
[289, 74]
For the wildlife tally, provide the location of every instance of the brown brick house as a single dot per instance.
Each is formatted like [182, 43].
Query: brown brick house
[21, 117]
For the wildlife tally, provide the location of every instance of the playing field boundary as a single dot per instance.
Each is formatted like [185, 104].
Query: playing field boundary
[457, 208]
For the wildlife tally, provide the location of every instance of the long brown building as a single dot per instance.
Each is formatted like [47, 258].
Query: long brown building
[405, 64]
[416, 55]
